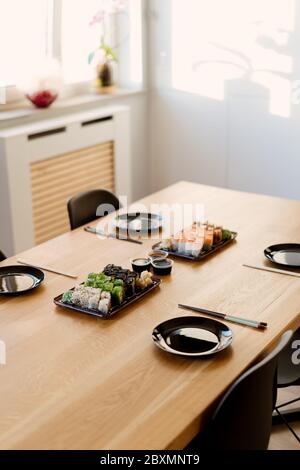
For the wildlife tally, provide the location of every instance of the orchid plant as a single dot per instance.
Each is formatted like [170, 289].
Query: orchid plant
[103, 19]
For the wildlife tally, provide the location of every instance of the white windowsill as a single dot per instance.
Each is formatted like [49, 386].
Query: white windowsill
[10, 112]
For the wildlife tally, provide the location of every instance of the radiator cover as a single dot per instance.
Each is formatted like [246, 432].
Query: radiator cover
[44, 164]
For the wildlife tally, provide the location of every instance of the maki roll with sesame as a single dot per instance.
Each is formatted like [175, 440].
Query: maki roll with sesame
[104, 305]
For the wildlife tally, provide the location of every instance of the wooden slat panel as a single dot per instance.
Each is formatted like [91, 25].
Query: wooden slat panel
[45, 173]
[55, 180]
[70, 157]
[79, 179]
[40, 207]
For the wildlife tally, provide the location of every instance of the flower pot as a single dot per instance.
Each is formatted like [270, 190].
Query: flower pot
[105, 78]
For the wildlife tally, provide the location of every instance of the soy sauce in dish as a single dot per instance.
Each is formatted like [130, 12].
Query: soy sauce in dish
[141, 264]
[162, 266]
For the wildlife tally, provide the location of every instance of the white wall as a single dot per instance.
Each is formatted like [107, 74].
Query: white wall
[250, 138]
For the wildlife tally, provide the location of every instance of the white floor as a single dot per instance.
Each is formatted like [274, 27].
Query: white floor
[282, 438]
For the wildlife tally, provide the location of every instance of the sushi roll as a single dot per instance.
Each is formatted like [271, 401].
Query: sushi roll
[218, 235]
[118, 295]
[94, 301]
[181, 246]
[92, 291]
[226, 235]
[189, 246]
[209, 237]
[166, 244]
[105, 295]
[174, 243]
[85, 299]
[108, 287]
[146, 277]
[197, 247]
[130, 285]
[145, 280]
[104, 303]
[67, 297]
[104, 306]
[77, 297]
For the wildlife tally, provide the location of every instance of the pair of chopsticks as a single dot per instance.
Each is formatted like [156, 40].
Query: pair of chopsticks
[238, 320]
[50, 270]
[272, 270]
[111, 235]
[241, 321]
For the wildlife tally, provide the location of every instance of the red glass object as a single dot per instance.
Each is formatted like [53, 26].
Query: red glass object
[43, 98]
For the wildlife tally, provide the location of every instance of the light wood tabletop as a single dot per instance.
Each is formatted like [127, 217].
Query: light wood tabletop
[76, 382]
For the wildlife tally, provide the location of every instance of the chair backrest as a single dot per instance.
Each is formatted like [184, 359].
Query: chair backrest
[289, 363]
[86, 207]
[2, 256]
[243, 418]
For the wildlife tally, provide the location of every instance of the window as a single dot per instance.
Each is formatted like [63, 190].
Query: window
[32, 31]
[23, 37]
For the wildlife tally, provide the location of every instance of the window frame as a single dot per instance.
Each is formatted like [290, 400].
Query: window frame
[54, 49]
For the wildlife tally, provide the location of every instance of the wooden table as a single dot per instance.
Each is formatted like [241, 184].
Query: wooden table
[75, 382]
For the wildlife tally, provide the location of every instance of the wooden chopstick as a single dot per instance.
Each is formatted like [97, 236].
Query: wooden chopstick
[111, 235]
[50, 270]
[272, 270]
[238, 320]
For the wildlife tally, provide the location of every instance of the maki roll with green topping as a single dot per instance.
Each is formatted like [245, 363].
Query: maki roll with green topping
[226, 235]
[118, 295]
[108, 287]
[67, 297]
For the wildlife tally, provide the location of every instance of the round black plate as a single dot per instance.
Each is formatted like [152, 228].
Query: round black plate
[192, 336]
[286, 254]
[15, 280]
[139, 222]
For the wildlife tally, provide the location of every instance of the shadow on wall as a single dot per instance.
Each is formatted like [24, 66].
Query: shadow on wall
[233, 98]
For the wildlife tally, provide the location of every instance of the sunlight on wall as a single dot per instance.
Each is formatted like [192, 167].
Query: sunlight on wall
[214, 41]
[136, 53]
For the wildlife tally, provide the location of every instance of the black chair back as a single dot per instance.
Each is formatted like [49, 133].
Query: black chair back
[86, 207]
[243, 418]
[2, 256]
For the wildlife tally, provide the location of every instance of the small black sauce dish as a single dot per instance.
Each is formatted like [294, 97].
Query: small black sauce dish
[162, 266]
[158, 254]
[141, 264]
